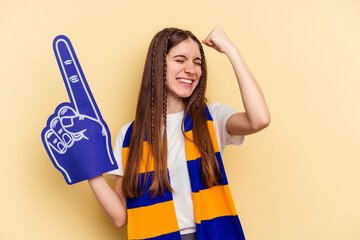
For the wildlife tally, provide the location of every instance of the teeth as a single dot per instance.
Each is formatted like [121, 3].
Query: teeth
[185, 81]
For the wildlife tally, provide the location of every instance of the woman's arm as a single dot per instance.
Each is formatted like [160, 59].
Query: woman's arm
[113, 202]
[256, 116]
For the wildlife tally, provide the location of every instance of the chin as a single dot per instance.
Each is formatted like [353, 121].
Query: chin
[181, 93]
[185, 95]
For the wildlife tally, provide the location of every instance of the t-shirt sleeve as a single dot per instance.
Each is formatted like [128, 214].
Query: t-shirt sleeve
[221, 114]
[118, 152]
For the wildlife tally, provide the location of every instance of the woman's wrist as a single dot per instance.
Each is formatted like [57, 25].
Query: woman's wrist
[232, 52]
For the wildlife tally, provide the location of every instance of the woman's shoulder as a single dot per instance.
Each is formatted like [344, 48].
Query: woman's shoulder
[125, 127]
[122, 132]
[212, 107]
[216, 109]
[220, 114]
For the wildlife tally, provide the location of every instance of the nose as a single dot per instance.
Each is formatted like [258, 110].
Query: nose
[190, 68]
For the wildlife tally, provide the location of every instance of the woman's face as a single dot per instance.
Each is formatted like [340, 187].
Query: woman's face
[183, 69]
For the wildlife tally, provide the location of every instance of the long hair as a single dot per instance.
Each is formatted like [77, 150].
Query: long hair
[149, 138]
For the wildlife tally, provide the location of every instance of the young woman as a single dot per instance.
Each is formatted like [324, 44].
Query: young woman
[171, 183]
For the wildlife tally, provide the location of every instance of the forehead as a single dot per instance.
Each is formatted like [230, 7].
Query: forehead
[187, 47]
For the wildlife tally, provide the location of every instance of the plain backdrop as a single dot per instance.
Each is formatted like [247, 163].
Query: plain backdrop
[297, 179]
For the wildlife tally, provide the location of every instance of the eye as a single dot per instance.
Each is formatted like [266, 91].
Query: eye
[198, 63]
[179, 60]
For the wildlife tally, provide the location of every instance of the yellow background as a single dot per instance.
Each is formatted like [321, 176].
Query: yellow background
[298, 179]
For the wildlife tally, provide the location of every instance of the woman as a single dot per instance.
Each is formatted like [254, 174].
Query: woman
[171, 183]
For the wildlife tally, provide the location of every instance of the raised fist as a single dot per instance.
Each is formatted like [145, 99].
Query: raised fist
[76, 137]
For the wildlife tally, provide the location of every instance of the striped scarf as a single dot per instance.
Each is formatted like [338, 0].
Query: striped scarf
[215, 213]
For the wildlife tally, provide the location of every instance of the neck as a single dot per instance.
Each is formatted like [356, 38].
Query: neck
[175, 105]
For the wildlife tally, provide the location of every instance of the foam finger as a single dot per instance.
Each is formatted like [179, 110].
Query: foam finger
[65, 138]
[74, 78]
[54, 142]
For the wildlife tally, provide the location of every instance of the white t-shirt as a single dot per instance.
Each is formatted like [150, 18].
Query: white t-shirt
[179, 176]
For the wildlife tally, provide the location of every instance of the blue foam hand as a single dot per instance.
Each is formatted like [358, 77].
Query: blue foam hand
[76, 137]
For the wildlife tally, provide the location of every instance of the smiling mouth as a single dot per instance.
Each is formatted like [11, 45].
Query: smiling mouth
[186, 81]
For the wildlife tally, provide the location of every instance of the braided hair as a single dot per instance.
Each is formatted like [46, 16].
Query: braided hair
[151, 121]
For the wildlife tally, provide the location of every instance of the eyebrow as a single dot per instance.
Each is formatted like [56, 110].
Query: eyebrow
[183, 56]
